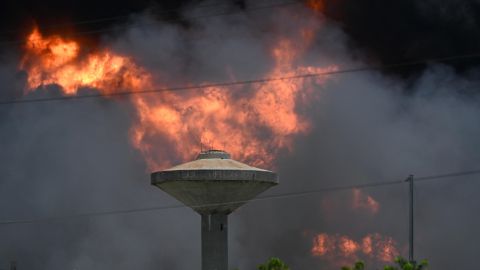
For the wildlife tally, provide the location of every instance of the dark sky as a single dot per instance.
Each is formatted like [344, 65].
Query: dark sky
[55, 15]
[397, 31]
[382, 31]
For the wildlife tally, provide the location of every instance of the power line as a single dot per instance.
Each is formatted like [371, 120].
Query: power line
[254, 81]
[276, 196]
[261, 198]
[448, 175]
[112, 29]
[118, 17]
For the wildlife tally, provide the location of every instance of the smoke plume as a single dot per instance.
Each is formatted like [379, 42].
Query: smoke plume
[64, 158]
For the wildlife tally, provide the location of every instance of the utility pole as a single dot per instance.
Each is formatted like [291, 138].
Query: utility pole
[411, 224]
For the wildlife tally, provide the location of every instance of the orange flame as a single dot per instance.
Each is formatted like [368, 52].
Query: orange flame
[316, 5]
[363, 201]
[253, 127]
[54, 60]
[347, 246]
[345, 250]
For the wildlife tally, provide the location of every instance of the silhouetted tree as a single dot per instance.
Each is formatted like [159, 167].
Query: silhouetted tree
[402, 264]
[358, 266]
[273, 264]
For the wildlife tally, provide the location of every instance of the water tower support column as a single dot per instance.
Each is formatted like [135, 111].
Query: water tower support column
[214, 241]
[214, 185]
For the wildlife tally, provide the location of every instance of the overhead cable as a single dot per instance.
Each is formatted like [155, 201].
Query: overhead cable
[261, 198]
[245, 82]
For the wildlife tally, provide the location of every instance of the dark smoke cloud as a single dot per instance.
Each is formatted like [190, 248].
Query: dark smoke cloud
[366, 133]
[401, 31]
[63, 158]
[17, 17]
[68, 158]
[385, 32]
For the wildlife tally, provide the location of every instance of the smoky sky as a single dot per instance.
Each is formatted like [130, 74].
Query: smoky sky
[65, 158]
[379, 31]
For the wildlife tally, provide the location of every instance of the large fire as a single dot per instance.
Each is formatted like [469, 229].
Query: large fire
[342, 250]
[253, 127]
[54, 60]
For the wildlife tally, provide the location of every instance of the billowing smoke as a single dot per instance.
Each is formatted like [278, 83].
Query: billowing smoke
[64, 158]
[410, 30]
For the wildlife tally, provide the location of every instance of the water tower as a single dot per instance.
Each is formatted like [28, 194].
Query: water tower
[214, 185]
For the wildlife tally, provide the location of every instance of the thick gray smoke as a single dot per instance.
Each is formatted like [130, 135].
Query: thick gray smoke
[72, 157]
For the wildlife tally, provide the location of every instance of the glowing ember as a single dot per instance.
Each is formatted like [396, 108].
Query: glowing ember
[253, 127]
[347, 246]
[344, 249]
[367, 244]
[323, 244]
[316, 5]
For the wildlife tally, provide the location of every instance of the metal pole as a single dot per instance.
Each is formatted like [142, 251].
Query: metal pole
[411, 224]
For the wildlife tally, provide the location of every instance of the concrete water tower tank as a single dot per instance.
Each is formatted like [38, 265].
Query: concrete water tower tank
[214, 186]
